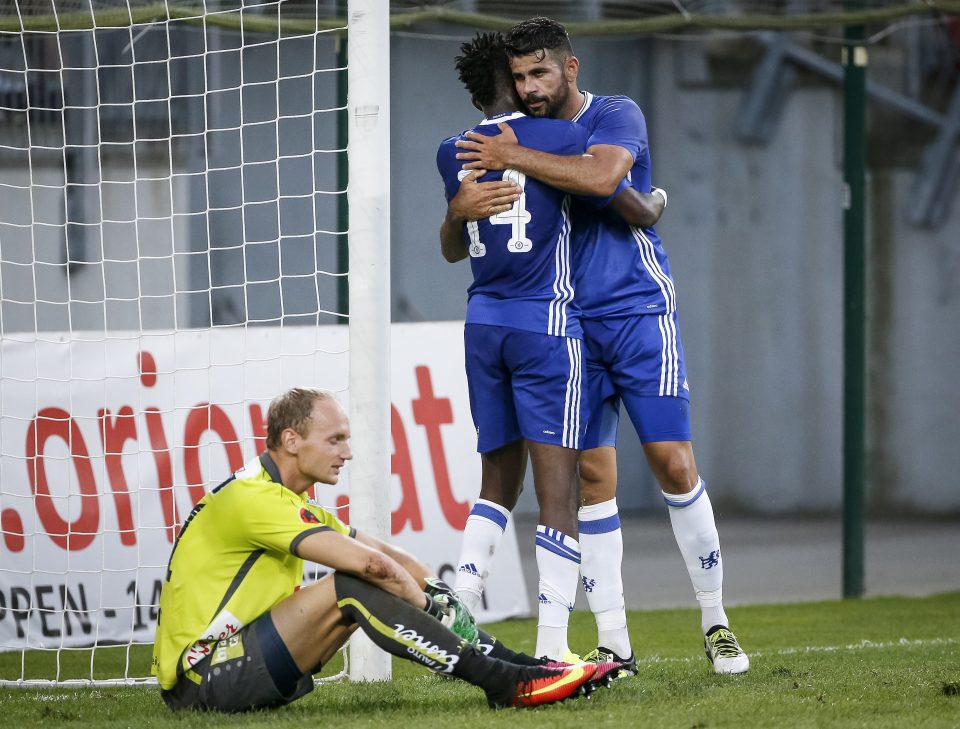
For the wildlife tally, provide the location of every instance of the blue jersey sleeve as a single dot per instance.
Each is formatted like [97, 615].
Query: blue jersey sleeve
[621, 123]
[449, 166]
[575, 142]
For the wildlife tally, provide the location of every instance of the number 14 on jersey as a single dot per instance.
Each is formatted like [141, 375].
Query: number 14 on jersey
[517, 217]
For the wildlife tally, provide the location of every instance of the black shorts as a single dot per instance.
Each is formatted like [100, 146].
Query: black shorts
[249, 670]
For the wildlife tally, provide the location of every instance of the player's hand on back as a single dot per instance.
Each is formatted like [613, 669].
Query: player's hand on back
[641, 209]
[488, 153]
[475, 200]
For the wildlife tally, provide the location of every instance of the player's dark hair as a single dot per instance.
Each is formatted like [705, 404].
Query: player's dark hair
[536, 35]
[292, 409]
[483, 67]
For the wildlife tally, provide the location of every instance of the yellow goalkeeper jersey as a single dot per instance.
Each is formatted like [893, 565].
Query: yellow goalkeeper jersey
[233, 560]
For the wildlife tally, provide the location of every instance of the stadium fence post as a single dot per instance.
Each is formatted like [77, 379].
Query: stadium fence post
[854, 294]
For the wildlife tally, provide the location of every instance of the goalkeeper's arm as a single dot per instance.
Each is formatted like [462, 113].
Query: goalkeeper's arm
[417, 569]
[457, 616]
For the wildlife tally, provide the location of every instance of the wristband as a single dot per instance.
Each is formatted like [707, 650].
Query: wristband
[433, 608]
[662, 193]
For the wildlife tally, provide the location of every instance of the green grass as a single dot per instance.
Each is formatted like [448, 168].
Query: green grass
[877, 663]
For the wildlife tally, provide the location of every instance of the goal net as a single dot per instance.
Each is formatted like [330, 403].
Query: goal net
[172, 255]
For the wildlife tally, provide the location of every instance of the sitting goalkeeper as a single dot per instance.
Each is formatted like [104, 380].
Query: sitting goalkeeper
[235, 632]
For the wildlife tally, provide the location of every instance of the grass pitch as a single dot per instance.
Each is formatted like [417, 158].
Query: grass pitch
[875, 663]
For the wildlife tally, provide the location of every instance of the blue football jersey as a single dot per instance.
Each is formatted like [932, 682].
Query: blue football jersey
[521, 259]
[619, 269]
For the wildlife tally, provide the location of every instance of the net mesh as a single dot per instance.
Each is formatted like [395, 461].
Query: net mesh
[170, 259]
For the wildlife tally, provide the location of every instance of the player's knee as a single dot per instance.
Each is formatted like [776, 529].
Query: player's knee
[357, 600]
[594, 492]
[350, 591]
[597, 483]
[677, 473]
[344, 585]
[504, 493]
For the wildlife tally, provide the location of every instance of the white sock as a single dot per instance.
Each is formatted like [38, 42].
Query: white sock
[558, 559]
[691, 516]
[601, 546]
[481, 535]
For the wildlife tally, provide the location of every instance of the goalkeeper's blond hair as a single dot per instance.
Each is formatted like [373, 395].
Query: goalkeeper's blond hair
[292, 409]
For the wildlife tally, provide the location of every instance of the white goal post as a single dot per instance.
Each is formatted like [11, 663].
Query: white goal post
[168, 263]
[368, 193]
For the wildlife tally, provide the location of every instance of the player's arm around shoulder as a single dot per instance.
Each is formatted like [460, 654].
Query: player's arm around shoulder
[358, 557]
[618, 135]
[596, 173]
[640, 209]
[602, 167]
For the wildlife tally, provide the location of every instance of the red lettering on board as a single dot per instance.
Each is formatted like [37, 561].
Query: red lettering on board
[147, 365]
[158, 446]
[342, 508]
[431, 413]
[12, 527]
[161, 457]
[258, 425]
[76, 535]
[204, 417]
[114, 432]
[408, 512]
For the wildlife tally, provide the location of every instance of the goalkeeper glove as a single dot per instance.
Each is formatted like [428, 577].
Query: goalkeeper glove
[435, 586]
[457, 616]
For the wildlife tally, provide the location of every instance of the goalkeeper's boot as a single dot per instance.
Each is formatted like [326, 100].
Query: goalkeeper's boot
[628, 666]
[724, 652]
[569, 659]
[607, 672]
[536, 685]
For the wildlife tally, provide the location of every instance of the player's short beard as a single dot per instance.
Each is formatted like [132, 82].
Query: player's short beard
[551, 107]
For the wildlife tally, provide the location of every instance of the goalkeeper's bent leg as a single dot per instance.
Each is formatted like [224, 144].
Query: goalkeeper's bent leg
[406, 632]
